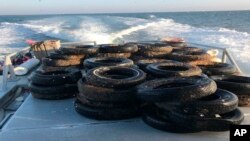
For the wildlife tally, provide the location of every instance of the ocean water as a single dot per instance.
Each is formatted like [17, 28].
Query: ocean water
[229, 29]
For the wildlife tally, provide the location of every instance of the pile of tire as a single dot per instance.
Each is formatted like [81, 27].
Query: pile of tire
[240, 85]
[188, 104]
[54, 85]
[109, 93]
[71, 56]
[117, 51]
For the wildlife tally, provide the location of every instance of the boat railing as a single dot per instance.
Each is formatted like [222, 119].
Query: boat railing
[9, 75]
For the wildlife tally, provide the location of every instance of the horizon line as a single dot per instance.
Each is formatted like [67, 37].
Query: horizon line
[90, 13]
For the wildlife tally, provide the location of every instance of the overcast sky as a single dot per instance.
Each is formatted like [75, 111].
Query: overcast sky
[16, 7]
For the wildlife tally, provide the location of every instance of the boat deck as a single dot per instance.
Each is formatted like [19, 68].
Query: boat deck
[46, 120]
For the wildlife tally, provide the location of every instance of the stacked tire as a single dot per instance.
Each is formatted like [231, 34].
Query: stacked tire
[109, 93]
[188, 104]
[240, 85]
[54, 85]
[71, 56]
[152, 51]
[117, 51]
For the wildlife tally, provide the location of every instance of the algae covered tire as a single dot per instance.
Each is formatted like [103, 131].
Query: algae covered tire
[115, 77]
[114, 55]
[240, 85]
[173, 68]
[218, 69]
[152, 118]
[220, 102]
[155, 48]
[114, 48]
[65, 57]
[55, 78]
[106, 113]
[221, 123]
[107, 61]
[61, 62]
[104, 94]
[54, 92]
[176, 89]
[80, 49]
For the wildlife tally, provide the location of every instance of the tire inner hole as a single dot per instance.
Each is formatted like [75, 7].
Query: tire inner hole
[173, 85]
[173, 68]
[210, 97]
[118, 74]
[235, 80]
[109, 61]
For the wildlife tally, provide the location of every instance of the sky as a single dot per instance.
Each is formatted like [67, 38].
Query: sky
[30, 7]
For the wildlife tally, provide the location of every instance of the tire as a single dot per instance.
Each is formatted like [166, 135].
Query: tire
[189, 49]
[240, 85]
[219, 69]
[176, 89]
[105, 114]
[79, 50]
[189, 56]
[143, 63]
[56, 78]
[114, 48]
[115, 55]
[220, 102]
[102, 94]
[54, 92]
[60, 62]
[106, 61]
[221, 123]
[45, 69]
[172, 69]
[101, 104]
[65, 57]
[155, 48]
[151, 118]
[152, 54]
[121, 77]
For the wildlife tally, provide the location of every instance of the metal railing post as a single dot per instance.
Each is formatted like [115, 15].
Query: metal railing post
[224, 56]
[232, 60]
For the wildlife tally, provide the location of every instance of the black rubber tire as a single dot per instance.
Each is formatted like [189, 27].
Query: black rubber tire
[220, 102]
[55, 78]
[221, 123]
[107, 61]
[155, 48]
[106, 113]
[176, 89]
[189, 56]
[61, 62]
[114, 48]
[95, 93]
[144, 62]
[115, 77]
[102, 104]
[240, 85]
[218, 69]
[54, 92]
[114, 55]
[152, 54]
[80, 49]
[152, 118]
[65, 57]
[172, 69]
